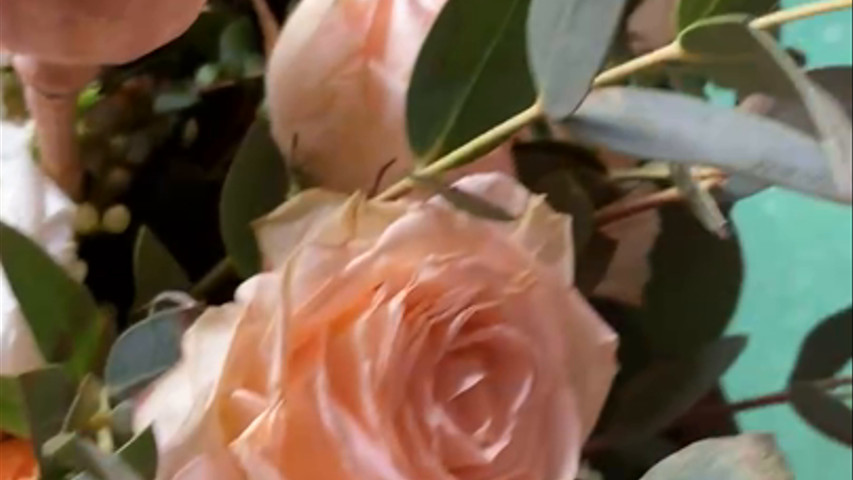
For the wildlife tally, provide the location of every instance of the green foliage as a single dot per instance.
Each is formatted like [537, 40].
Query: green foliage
[756, 63]
[61, 313]
[654, 124]
[568, 41]
[747, 457]
[155, 270]
[144, 352]
[47, 395]
[666, 390]
[471, 75]
[825, 352]
[13, 417]
[695, 285]
[256, 183]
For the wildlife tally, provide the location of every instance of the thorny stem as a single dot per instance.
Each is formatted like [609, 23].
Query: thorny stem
[672, 52]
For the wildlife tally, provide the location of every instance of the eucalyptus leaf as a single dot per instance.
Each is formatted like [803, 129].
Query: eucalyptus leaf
[77, 452]
[691, 11]
[837, 81]
[47, 395]
[140, 454]
[666, 390]
[155, 270]
[568, 42]
[62, 315]
[86, 404]
[144, 352]
[824, 412]
[594, 261]
[667, 126]
[177, 98]
[827, 348]
[694, 288]
[751, 61]
[471, 74]
[467, 202]
[13, 415]
[256, 183]
[747, 457]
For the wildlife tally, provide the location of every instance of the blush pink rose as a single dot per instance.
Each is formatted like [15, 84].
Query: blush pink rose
[337, 80]
[393, 341]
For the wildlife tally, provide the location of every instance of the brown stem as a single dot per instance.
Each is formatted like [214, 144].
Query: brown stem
[780, 398]
[51, 93]
[614, 213]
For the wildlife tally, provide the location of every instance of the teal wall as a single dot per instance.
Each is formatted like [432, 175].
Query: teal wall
[799, 260]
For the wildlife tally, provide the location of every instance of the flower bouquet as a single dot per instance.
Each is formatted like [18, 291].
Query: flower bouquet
[399, 239]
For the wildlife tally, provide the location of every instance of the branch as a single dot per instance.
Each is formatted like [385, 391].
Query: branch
[614, 213]
[780, 398]
[672, 52]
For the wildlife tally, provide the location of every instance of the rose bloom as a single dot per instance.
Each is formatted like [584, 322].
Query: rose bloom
[17, 461]
[392, 341]
[337, 83]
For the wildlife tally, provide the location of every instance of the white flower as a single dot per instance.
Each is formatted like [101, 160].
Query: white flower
[33, 205]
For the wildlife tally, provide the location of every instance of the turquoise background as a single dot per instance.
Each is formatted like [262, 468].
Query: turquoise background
[799, 269]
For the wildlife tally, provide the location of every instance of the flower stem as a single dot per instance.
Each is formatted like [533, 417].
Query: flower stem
[220, 273]
[672, 52]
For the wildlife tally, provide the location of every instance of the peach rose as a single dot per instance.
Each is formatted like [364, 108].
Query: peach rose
[17, 461]
[337, 79]
[393, 341]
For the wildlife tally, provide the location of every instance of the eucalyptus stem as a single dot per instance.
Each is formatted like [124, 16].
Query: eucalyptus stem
[792, 14]
[614, 213]
[221, 272]
[672, 52]
[764, 401]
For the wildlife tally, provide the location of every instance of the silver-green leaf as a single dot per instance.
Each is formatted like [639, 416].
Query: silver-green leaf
[677, 128]
[568, 41]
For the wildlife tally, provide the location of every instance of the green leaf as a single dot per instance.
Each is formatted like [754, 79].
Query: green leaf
[255, 185]
[752, 61]
[476, 206]
[144, 352]
[13, 414]
[747, 457]
[824, 412]
[827, 349]
[86, 404]
[666, 126]
[691, 11]
[694, 288]
[836, 81]
[76, 452]
[61, 313]
[666, 390]
[155, 270]
[471, 75]
[47, 395]
[140, 453]
[825, 352]
[568, 41]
